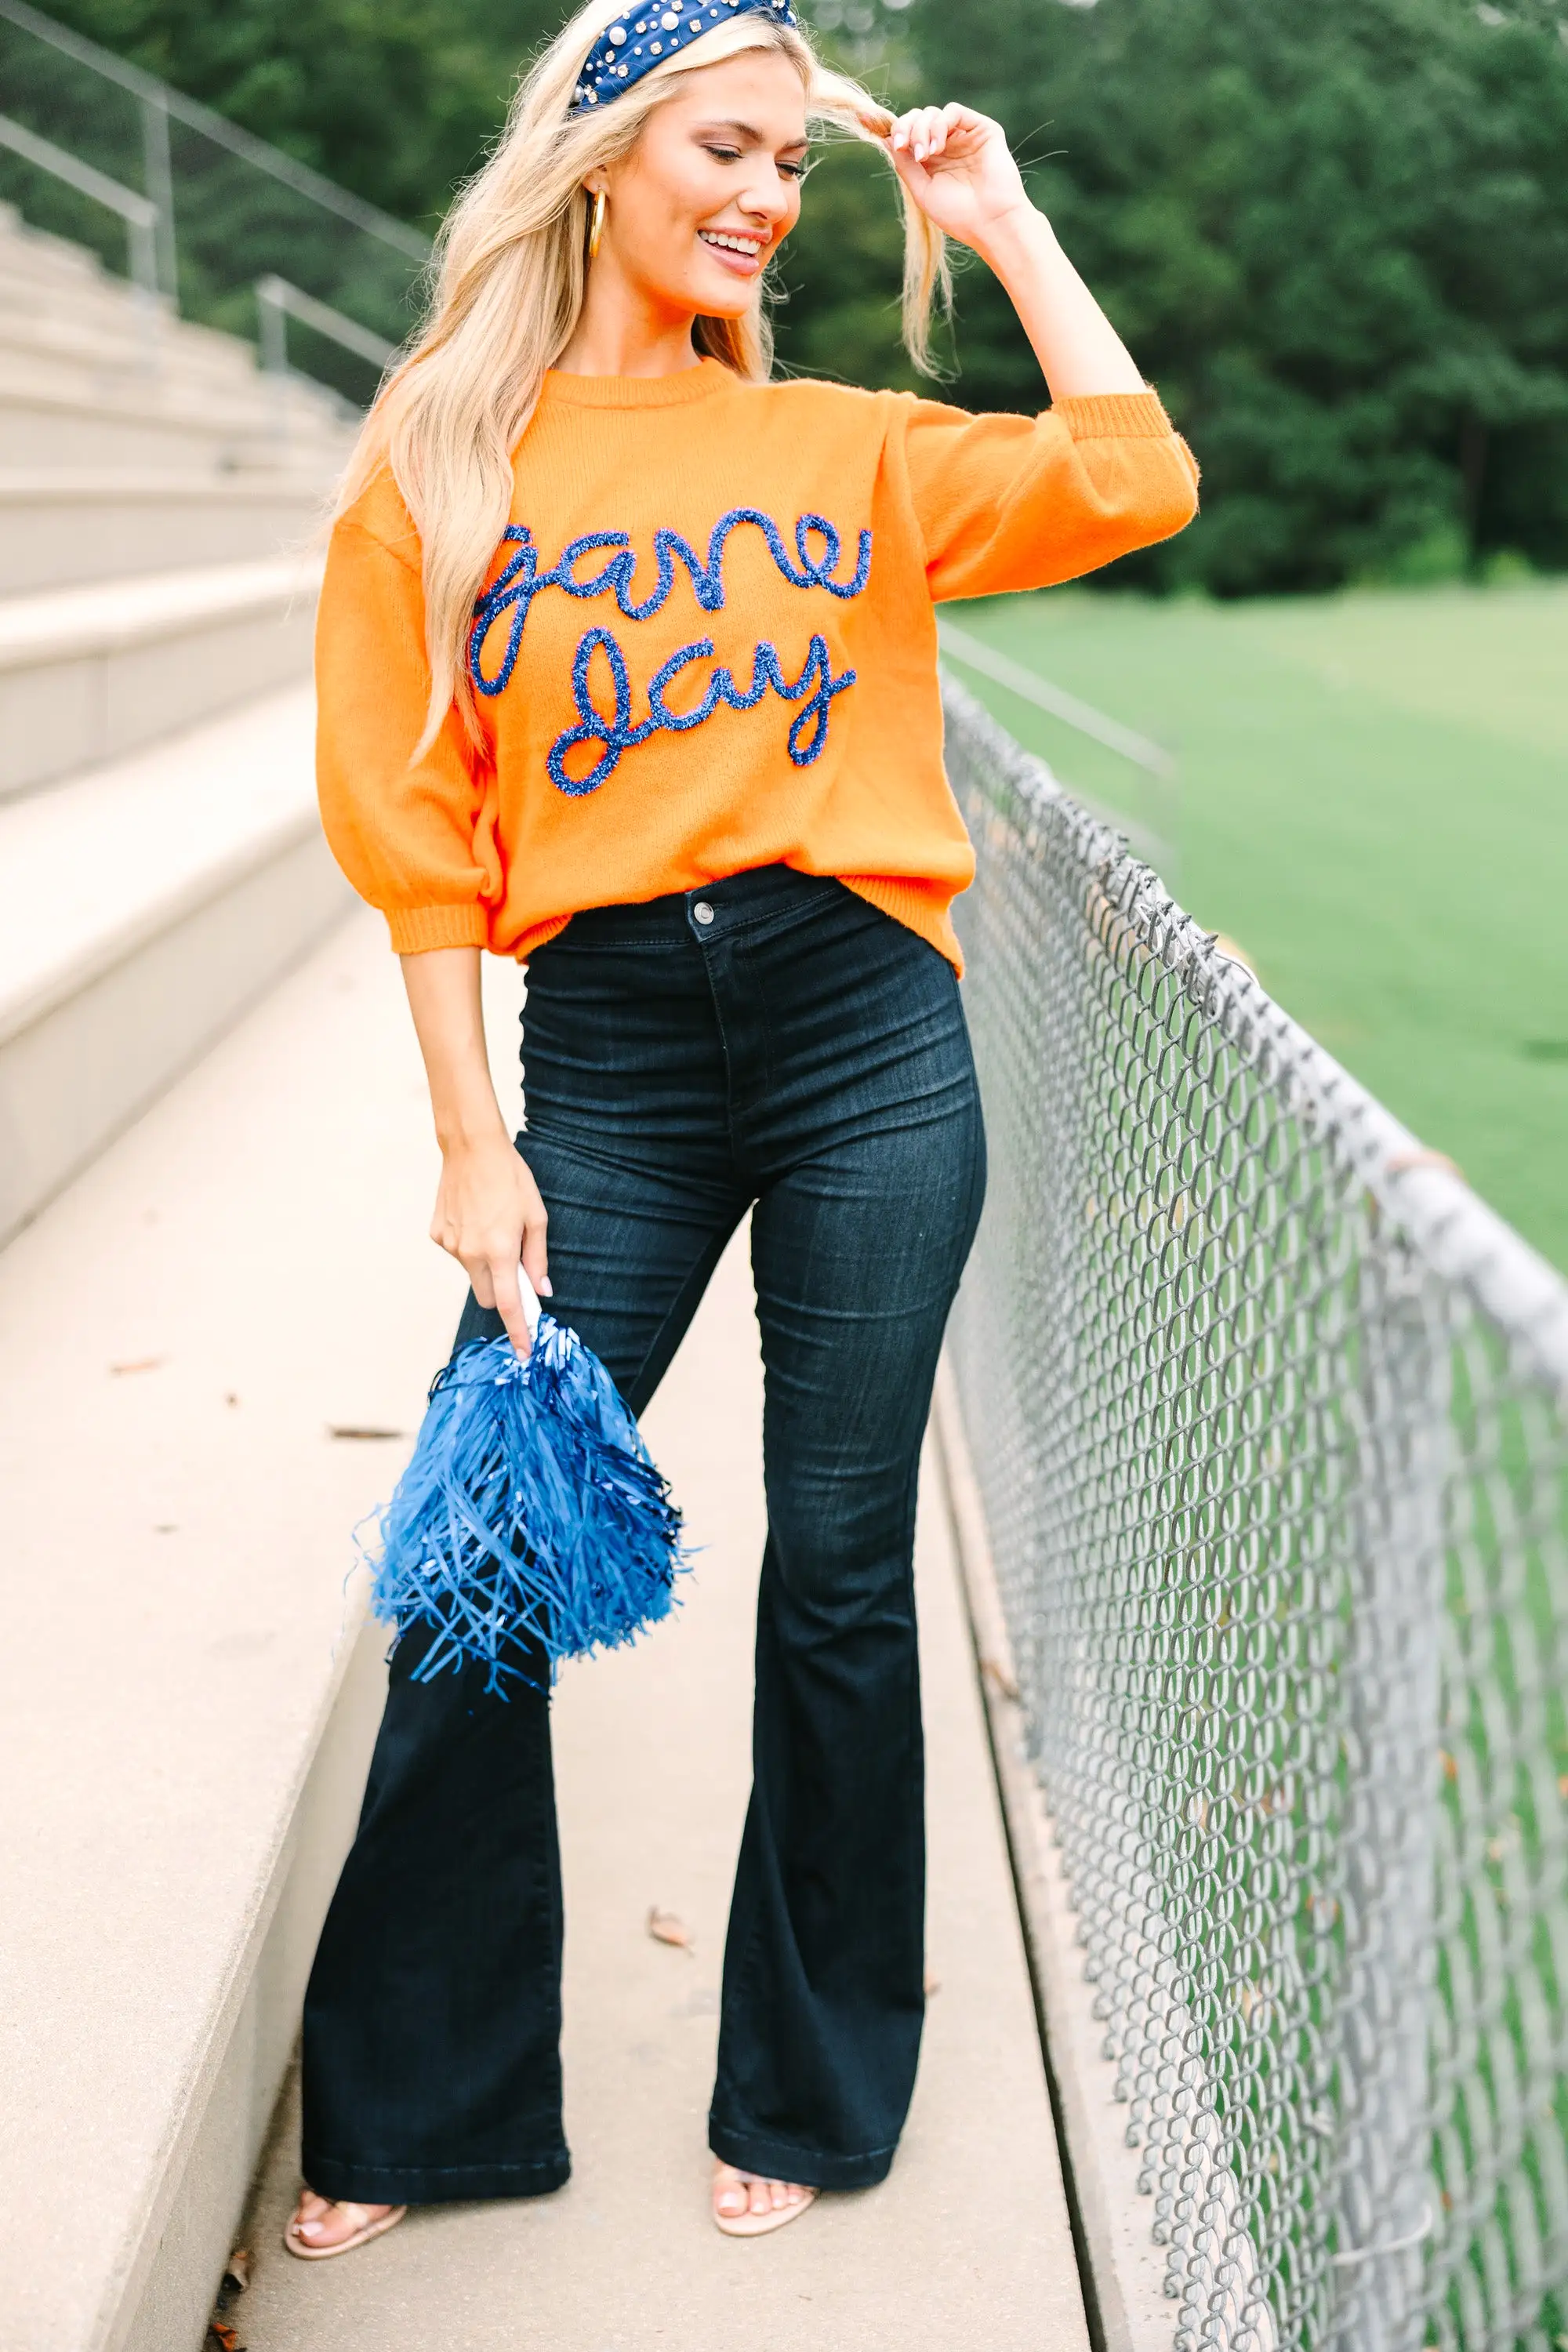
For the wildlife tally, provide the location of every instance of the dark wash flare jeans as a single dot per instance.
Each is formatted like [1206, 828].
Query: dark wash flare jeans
[771, 1043]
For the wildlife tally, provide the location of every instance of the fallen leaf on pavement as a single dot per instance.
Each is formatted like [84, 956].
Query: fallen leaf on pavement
[665, 1927]
[220, 2332]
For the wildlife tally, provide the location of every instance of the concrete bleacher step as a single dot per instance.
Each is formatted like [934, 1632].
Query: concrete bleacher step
[142, 906]
[92, 672]
[131, 424]
[38, 253]
[44, 254]
[136, 420]
[67, 526]
[108, 317]
[53, 330]
[165, 375]
[31, 257]
[52, 289]
[90, 373]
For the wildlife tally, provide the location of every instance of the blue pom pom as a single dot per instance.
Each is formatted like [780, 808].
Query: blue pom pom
[529, 1516]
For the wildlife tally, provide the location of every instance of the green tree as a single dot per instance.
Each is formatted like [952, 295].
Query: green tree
[1337, 238]
[837, 308]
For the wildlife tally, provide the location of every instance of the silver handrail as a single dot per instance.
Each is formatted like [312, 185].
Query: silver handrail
[1156, 842]
[277, 302]
[959, 646]
[172, 103]
[138, 212]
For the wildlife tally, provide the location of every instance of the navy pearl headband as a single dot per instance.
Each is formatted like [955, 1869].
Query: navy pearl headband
[642, 37]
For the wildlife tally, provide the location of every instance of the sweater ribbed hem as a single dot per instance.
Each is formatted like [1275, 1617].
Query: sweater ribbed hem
[1114, 416]
[921, 906]
[416, 930]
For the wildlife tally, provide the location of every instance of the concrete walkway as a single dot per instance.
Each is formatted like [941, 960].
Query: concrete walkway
[966, 2247]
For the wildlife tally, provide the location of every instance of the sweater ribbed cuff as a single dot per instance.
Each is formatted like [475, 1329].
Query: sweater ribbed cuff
[1114, 416]
[416, 930]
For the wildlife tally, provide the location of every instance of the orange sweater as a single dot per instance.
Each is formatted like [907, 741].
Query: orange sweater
[708, 643]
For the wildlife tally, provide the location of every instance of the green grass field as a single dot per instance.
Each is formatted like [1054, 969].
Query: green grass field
[1373, 803]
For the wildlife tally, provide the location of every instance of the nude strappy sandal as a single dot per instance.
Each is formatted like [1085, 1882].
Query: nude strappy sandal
[758, 2225]
[306, 2253]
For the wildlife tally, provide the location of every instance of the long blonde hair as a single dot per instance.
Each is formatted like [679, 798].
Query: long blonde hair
[508, 277]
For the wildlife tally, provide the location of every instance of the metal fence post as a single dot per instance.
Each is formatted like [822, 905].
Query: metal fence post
[273, 323]
[158, 179]
[1385, 2206]
[273, 326]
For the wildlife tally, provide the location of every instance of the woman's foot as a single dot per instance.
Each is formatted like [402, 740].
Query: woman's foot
[746, 2205]
[321, 2226]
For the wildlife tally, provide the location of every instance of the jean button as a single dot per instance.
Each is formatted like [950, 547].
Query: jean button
[703, 912]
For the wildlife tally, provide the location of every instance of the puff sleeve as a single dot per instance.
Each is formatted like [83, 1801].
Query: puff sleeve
[1007, 502]
[416, 841]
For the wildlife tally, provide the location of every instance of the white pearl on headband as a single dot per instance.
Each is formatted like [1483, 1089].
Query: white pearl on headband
[605, 71]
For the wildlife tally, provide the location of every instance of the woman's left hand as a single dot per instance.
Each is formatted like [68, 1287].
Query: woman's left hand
[958, 167]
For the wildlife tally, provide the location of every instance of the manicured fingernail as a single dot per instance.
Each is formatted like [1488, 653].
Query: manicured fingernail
[546, 1287]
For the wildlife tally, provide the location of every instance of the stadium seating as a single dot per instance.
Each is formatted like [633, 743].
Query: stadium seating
[160, 862]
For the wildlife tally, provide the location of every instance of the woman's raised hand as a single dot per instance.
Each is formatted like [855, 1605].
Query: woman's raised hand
[958, 167]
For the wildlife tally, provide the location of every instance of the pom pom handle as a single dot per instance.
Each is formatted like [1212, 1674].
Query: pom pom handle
[532, 1310]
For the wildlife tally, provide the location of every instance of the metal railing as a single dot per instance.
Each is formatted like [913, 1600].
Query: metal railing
[277, 302]
[1149, 813]
[138, 213]
[227, 210]
[1269, 1417]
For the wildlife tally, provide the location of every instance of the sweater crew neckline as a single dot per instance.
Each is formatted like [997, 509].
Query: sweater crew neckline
[678, 391]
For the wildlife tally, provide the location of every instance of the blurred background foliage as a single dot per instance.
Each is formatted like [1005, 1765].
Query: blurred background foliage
[1336, 236]
[396, 100]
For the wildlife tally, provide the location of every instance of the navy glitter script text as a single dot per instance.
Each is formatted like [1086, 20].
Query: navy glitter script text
[813, 564]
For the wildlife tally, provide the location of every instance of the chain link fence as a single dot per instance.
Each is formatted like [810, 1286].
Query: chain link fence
[1269, 1416]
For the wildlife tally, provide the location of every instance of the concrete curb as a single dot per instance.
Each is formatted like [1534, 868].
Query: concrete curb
[1123, 2269]
[162, 2298]
[75, 1077]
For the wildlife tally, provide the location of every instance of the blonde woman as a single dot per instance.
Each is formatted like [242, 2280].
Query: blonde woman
[627, 669]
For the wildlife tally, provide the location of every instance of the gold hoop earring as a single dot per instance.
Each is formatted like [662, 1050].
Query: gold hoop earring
[596, 225]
